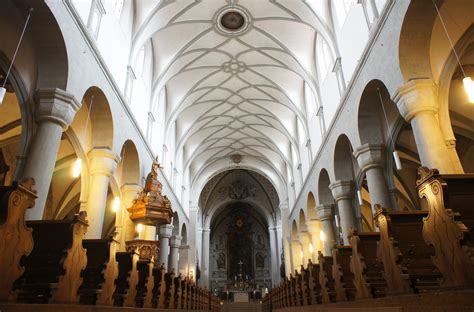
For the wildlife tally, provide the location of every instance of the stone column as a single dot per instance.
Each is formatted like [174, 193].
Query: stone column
[325, 214]
[274, 256]
[205, 257]
[102, 164]
[370, 159]
[305, 240]
[175, 243]
[193, 238]
[296, 255]
[124, 225]
[164, 232]
[342, 191]
[183, 262]
[314, 227]
[55, 111]
[418, 104]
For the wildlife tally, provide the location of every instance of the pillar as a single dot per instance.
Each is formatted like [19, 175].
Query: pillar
[193, 239]
[371, 161]
[274, 256]
[418, 104]
[325, 215]
[164, 233]
[314, 227]
[343, 191]
[183, 261]
[175, 243]
[305, 240]
[296, 255]
[55, 111]
[123, 224]
[102, 164]
[205, 257]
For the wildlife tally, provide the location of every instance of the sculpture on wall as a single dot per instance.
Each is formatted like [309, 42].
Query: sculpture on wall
[220, 261]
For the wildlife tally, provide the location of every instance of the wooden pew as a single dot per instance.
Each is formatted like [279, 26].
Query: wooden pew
[98, 284]
[313, 283]
[405, 255]
[367, 269]
[306, 299]
[298, 289]
[14, 200]
[343, 276]
[326, 279]
[127, 279]
[449, 226]
[53, 269]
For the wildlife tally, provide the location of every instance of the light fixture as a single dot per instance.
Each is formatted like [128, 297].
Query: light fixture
[3, 90]
[139, 227]
[76, 169]
[322, 236]
[467, 81]
[116, 204]
[336, 219]
[311, 248]
[469, 88]
[398, 163]
[359, 197]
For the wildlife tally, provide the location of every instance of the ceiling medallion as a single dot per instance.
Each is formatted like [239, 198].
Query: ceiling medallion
[234, 67]
[232, 20]
[236, 158]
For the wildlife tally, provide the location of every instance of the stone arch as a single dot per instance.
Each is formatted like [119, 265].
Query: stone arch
[343, 159]
[129, 166]
[376, 109]
[175, 223]
[311, 206]
[294, 229]
[324, 193]
[95, 114]
[184, 235]
[302, 221]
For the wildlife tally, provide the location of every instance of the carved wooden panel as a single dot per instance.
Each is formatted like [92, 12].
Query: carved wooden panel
[150, 285]
[132, 284]
[389, 255]
[161, 298]
[338, 276]
[172, 292]
[443, 230]
[358, 267]
[74, 263]
[111, 272]
[16, 239]
[323, 279]
[313, 285]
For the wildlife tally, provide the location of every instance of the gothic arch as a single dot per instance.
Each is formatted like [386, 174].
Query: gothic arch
[343, 159]
[129, 166]
[324, 193]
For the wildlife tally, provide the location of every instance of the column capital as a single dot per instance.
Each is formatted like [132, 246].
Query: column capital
[325, 212]
[369, 156]
[56, 105]
[416, 96]
[165, 230]
[175, 241]
[130, 188]
[102, 161]
[206, 230]
[342, 189]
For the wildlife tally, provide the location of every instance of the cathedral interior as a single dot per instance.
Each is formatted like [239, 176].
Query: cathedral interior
[236, 155]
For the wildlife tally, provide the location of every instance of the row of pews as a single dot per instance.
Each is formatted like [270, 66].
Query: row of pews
[49, 261]
[414, 252]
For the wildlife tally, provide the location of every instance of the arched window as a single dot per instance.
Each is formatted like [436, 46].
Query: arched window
[139, 62]
[323, 57]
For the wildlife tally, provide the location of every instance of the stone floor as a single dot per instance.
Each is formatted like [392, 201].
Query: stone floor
[241, 307]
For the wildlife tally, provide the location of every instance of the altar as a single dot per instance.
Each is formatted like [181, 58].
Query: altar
[241, 296]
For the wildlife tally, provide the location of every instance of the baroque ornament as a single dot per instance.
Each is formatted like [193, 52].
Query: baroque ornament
[151, 207]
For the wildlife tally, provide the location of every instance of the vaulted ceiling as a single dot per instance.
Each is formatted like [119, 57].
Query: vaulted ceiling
[234, 91]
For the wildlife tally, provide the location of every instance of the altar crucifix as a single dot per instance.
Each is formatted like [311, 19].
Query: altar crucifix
[240, 263]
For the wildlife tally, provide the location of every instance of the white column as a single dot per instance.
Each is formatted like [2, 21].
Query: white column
[371, 161]
[417, 102]
[296, 255]
[343, 191]
[314, 228]
[325, 214]
[103, 163]
[55, 111]
[175, 242]
[274, 256]
[183, 262]
[205, 257]
[123, 224]
[164, 232]
[305, 240]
